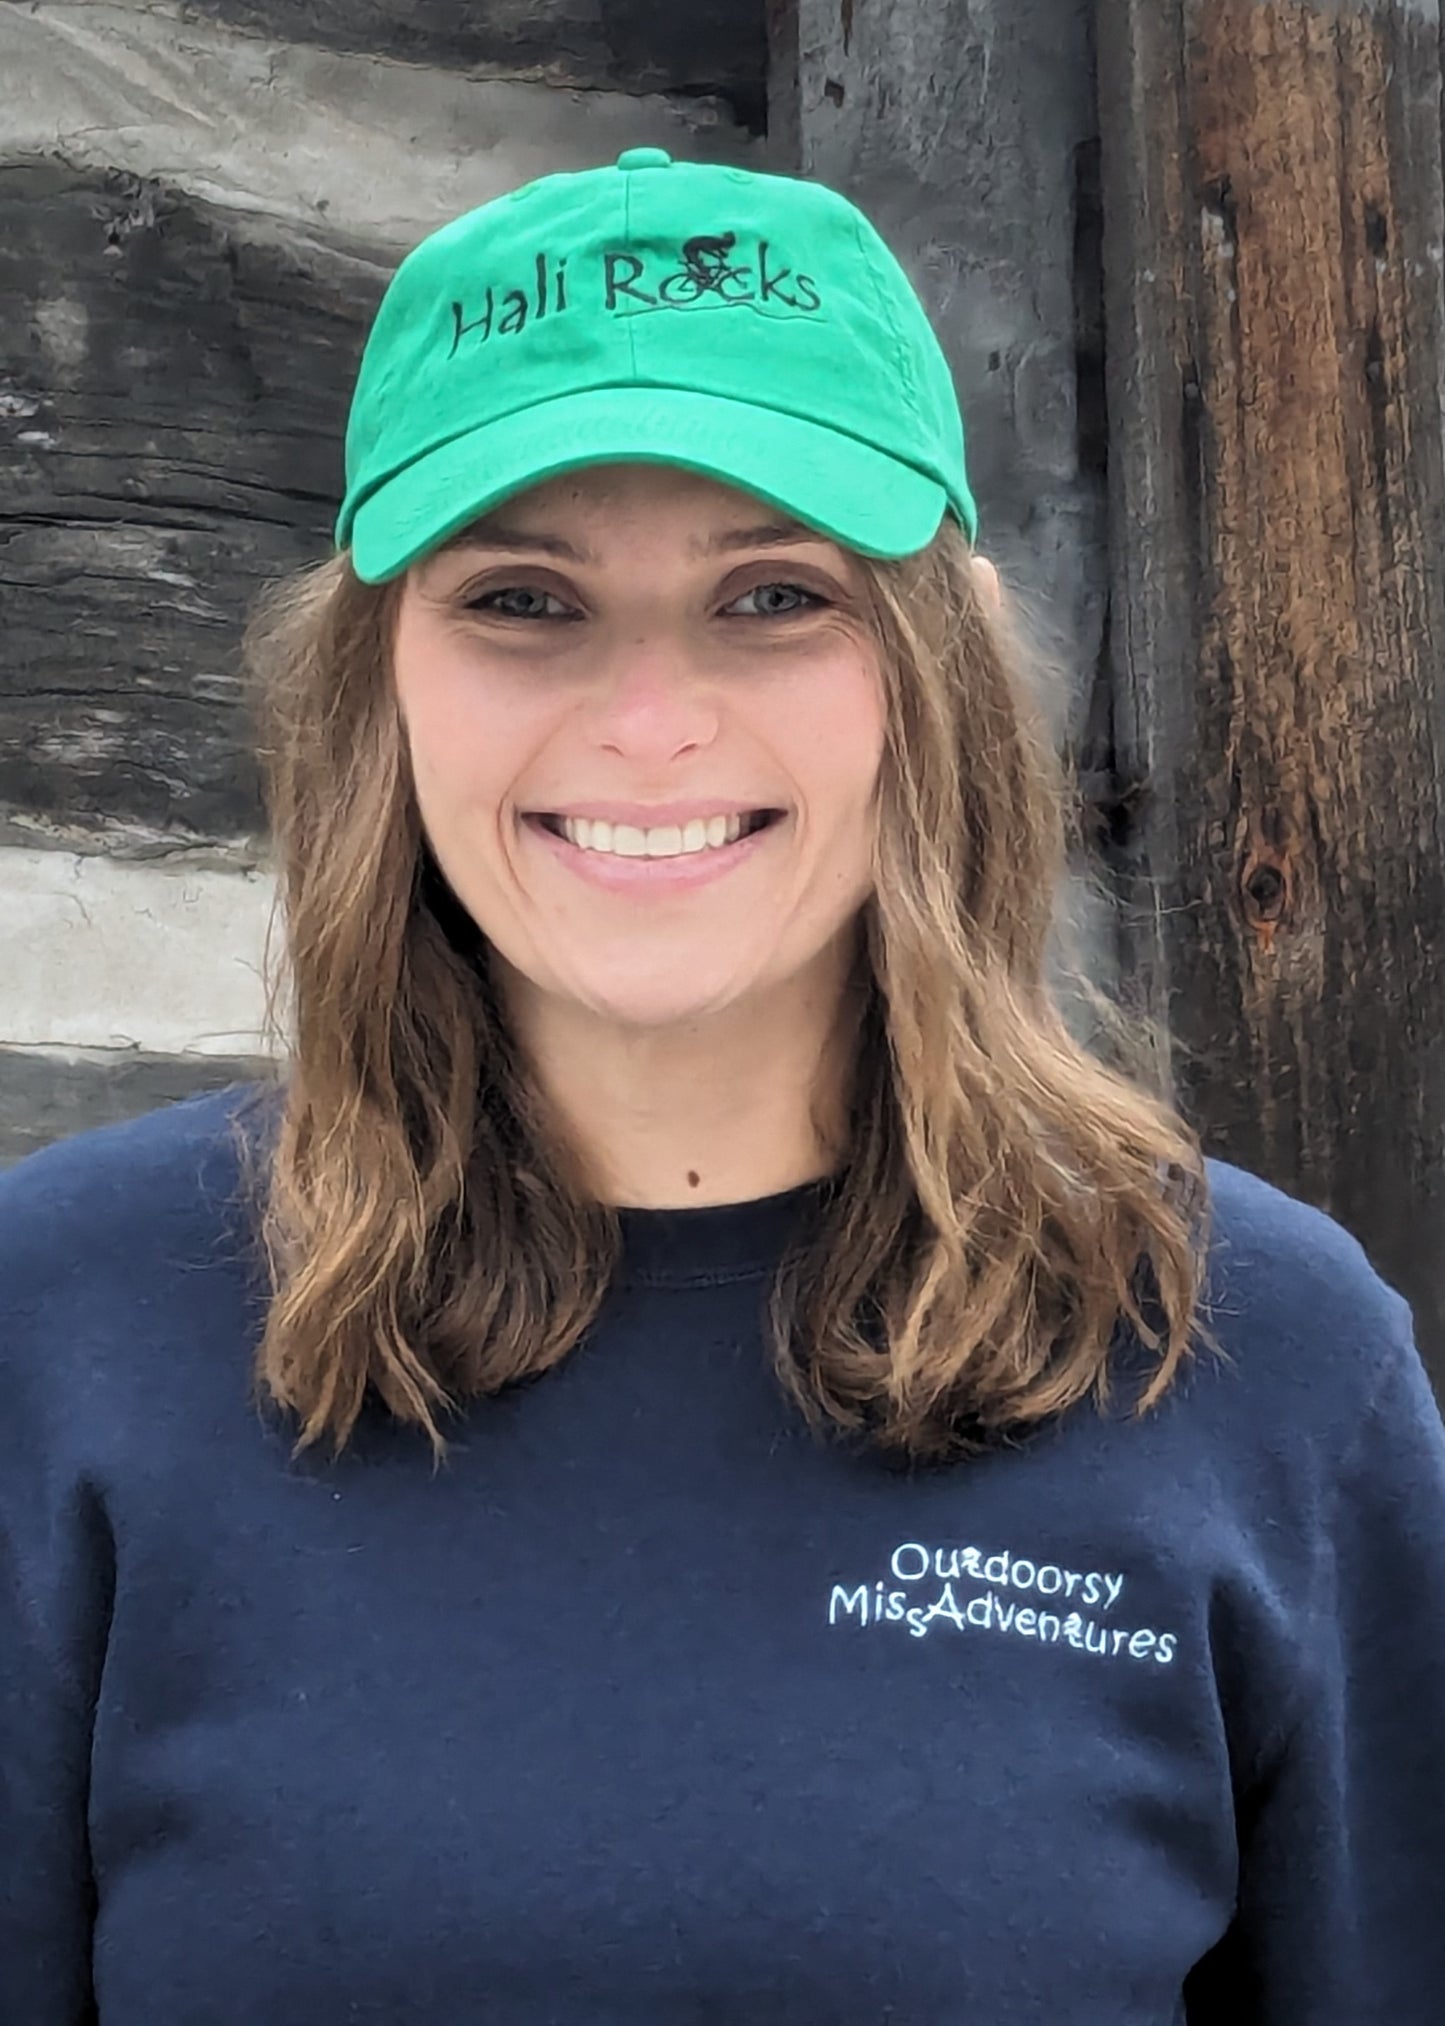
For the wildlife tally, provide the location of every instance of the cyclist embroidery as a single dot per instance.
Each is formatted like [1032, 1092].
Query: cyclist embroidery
[710, 270]
[705, 269]
[708, 273]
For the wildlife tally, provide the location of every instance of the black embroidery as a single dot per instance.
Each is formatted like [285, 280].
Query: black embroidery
[710, 270]
[705, 271]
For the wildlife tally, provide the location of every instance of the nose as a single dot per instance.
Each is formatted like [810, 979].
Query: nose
[650, 704]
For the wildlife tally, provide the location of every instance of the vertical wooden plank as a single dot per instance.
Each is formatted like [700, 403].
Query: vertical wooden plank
[1273, 229]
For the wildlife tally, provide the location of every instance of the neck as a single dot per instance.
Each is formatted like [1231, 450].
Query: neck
[724, 1109]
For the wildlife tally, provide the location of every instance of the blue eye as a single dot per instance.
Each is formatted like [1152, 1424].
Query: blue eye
[527, 601]
[772, 610]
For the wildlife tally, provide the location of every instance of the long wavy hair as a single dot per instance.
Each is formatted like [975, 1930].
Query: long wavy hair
[1007, 1200]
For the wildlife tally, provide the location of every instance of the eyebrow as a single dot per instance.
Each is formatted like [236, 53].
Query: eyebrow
[499, 535]
[496, 535]
[767, 535]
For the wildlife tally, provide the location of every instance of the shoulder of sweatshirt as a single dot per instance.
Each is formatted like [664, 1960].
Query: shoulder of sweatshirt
[95, 1196]
[1311, 1333]
[105, 1229]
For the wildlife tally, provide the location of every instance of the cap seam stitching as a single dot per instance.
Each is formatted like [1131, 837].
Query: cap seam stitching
[900, 362]
[627, 240]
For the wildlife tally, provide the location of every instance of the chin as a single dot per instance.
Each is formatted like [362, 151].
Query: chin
[677, 1003]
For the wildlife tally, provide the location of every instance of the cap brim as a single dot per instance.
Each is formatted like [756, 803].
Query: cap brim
[858, 495]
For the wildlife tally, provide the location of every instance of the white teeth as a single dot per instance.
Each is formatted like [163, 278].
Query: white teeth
[669, 840]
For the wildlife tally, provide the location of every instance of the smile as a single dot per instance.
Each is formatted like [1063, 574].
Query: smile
[669, 840]
[668, 859]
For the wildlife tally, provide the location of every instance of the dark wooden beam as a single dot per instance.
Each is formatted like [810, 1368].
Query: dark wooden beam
[46, 1097]
[173, 388]
[1273, 205]
[703, 47]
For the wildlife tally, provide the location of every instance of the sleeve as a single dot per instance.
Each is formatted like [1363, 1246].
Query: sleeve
[1340, 1918]
[56, 1582]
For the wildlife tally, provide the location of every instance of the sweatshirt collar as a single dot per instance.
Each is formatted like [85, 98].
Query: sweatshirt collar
[720, 1241]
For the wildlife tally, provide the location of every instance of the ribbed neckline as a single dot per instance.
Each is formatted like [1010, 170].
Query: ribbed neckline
[721, 1241]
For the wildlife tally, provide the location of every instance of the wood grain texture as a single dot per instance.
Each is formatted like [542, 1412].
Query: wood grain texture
[705, 46]
[1272, 184]
[45, 1097]
[333, 142]
[173, 387]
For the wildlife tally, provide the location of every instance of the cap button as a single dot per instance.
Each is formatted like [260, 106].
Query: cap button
[644, 158]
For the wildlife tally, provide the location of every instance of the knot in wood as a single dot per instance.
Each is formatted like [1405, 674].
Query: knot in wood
[1266, 891]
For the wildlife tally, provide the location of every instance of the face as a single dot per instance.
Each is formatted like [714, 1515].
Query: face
[645, 723]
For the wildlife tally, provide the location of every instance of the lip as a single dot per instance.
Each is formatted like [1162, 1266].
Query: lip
[652, 875]
[653, 815]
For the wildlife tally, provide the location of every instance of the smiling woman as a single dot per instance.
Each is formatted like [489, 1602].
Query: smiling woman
[855, 1590]
[656, 800]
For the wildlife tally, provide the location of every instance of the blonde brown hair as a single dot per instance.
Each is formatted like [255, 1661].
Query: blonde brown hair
[1005, 1198]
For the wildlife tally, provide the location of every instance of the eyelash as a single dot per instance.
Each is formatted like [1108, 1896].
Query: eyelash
[481, 603]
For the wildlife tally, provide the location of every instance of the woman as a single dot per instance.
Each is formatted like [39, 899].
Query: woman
[783, 1488]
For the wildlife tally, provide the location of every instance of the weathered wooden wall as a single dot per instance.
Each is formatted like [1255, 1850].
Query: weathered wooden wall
[1276, 344]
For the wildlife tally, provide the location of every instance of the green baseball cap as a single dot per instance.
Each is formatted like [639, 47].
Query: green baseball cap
[752, 327]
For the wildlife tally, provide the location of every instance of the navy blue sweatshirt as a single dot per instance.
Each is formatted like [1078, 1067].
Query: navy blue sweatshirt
[652, 1706]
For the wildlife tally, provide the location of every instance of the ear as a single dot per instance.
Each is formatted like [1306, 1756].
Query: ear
[985, 577]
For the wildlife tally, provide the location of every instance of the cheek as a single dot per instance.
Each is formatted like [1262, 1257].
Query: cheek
[839, 732]
[469, 729]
